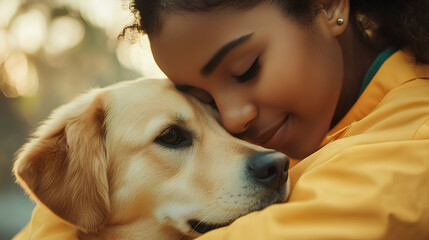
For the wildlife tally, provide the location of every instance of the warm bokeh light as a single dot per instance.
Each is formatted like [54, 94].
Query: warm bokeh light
[4, 45]
[110, 15]
[8, 9]
[29, 29]
[65, 32]
[21, 75]
[138, 56]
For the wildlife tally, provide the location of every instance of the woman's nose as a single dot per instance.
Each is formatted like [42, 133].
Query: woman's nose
[237, 116]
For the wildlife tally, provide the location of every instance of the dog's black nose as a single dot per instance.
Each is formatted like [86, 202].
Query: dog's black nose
[269, 168]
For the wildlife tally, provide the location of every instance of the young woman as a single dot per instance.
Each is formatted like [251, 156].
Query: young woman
[339, 85]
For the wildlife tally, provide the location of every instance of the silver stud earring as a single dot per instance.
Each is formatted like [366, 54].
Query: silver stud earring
[340, 21]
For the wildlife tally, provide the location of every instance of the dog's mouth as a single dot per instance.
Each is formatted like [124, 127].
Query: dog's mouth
[203, 227]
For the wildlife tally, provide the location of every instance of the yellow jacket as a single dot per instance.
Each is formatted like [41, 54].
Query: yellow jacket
[370, 180]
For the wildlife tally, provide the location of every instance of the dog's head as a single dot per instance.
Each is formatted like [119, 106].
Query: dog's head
[140, 159]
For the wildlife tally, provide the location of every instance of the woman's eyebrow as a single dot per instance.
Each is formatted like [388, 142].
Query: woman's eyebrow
[221, 53]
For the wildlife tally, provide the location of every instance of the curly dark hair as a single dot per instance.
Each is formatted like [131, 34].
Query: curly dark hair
[380, 24]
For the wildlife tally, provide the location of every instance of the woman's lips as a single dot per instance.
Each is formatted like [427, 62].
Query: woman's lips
[274, 141]
[266, 134]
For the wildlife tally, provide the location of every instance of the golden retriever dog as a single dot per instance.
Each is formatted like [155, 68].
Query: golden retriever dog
[141, 160]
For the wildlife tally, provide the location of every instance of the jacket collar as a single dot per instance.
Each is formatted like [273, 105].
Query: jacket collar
[398, 69]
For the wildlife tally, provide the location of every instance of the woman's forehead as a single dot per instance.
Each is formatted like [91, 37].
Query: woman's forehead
[193, 38]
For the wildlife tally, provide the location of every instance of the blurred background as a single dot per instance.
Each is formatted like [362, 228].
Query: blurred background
[51, 51]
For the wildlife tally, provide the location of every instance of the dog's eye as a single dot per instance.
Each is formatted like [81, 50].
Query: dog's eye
[173, 137]
[170, 136]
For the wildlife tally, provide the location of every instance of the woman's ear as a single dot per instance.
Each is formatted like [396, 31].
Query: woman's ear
[337, 15]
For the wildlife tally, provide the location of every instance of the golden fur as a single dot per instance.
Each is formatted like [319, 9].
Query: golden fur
[97, 163]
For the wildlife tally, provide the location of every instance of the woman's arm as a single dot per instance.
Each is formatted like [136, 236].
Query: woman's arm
[371, 191]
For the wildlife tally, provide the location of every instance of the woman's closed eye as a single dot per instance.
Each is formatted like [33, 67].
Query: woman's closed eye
[250, 73]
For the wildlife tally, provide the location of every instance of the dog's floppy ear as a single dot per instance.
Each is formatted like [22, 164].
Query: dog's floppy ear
[64, 166]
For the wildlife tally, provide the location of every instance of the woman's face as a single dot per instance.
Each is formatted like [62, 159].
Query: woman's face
[275, 82]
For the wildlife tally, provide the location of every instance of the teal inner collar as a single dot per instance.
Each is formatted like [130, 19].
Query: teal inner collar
[373, 69]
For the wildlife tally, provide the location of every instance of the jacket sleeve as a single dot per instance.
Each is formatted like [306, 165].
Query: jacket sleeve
[372, 191]
[45, 225]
